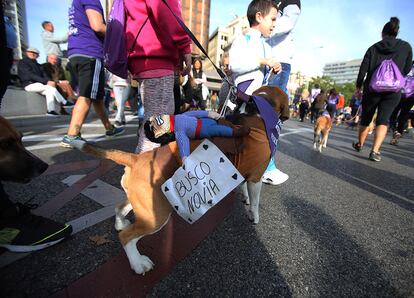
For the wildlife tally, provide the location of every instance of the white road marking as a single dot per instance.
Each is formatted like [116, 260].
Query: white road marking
[94, 125]
[102, 138]
[55, 138]
[379, 188]
[295, 131]
[99, 191]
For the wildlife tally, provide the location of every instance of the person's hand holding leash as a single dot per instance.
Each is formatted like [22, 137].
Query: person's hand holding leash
[277, 67]
[187, 64]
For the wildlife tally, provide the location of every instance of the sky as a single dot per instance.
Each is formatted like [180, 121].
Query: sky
[327, 30]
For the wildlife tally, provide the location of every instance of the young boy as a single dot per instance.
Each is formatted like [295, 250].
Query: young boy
[250, 56]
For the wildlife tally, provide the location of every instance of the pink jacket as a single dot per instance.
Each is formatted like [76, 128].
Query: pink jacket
[162, 40]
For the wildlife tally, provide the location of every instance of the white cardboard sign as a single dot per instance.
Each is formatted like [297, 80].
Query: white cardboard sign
[206, 177]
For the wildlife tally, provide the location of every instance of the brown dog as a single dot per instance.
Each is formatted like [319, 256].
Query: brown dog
[16, 163]
[146, 172]
[322, 128]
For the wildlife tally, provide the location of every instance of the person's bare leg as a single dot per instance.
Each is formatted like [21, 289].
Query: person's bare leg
[99, 107]
[363, 133]
[380, 133]
[79, 113]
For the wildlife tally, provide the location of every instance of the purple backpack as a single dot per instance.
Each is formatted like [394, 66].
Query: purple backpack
[387, 78]
[408, 90]
[115, 52]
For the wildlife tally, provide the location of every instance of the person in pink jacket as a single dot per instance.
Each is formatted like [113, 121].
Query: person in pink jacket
[161, 46]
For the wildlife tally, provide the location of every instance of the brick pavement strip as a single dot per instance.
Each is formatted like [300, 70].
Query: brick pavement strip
[68, 194]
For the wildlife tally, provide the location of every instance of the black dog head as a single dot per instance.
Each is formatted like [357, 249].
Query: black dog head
[16, 163]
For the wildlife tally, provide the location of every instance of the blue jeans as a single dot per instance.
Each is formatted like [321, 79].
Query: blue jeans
[210, 128]
[279, 80]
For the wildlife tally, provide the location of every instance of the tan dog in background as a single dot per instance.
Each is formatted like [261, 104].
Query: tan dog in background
[146, 172]
[322, 128]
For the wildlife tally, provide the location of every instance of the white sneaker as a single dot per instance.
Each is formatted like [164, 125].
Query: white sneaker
[274, 177]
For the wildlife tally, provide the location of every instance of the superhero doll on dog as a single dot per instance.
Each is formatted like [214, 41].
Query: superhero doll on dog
[189, 125]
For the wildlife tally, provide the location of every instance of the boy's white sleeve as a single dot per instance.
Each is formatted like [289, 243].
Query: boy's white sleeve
[287, 22]
[242, 56]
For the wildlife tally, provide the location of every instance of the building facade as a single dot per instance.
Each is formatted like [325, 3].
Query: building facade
[221, 39]
[343, 71]
[296, 81]
[196, 15]
[15, 10]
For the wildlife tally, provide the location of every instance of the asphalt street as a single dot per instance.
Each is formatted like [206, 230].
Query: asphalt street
[341, 226]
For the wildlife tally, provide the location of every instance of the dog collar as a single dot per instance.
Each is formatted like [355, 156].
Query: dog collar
[271, 120]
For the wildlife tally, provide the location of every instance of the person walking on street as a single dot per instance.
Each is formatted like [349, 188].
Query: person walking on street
[85, 48]
[51, 44]
[121, 89]
[304, 104]
[160, 47]
[401, 54]
[319, 104]
[333, 99]
[406, 104]
[281, 42]
[314, 92]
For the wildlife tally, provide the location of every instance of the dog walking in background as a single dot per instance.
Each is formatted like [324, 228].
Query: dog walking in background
[322, 128]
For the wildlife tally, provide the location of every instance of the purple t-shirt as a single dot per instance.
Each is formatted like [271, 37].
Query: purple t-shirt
[82, 39]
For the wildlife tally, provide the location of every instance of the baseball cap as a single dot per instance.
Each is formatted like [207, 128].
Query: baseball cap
[33, 50]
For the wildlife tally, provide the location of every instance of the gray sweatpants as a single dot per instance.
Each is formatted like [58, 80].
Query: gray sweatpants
[158, 98]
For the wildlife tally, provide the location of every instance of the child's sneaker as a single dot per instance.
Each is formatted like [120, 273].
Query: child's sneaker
[67, 140]
[115, 131]
[21, 231]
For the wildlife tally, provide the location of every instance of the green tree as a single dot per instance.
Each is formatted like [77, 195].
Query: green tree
[347, 90]
[326, 83]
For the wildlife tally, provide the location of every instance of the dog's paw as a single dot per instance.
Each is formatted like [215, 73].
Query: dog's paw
[253, 218]
[320, 148]
[324, 145]
[121, 224]
[142, 264]
[245, 199]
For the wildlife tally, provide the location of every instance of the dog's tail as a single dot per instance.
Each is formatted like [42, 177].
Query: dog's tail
[118, 156]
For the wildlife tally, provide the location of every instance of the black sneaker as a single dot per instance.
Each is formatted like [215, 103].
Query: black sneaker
[52, 114]
[115, 131]
[375, 156]
[118, 123]
[357, 146]
[68, 104]
[21, 231]
[395, 136]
